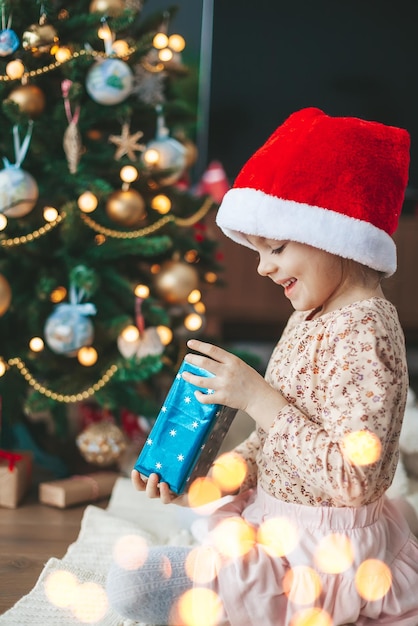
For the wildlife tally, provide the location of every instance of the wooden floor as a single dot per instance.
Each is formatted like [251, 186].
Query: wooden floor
[29, 536]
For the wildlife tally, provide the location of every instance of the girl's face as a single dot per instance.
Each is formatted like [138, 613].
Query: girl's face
[311, 278]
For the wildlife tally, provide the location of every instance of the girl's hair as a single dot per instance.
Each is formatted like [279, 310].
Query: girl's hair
[367, 275]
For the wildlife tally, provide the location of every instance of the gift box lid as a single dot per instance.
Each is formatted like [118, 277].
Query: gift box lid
[179, 433]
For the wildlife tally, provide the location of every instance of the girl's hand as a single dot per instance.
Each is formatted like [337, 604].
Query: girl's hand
[234, 384]
[156, 489]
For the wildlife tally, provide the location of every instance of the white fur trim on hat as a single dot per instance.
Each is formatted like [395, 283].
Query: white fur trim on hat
[248, 211]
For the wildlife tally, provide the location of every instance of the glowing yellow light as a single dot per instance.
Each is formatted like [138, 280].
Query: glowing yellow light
[99, 239]
[15, 69]
[3, 221]
[151, 156]
[87, 202]
[58, 294]
[165, 55]
[203, 564]
[302, 584]
[362, 447]
[105, 33]
[50, 213]
[120, 47]
[229, 471]
[334, 553]
[128, 173]
[312, 617]
[176, 43]
[3, 367]
[161, 203]
[155, 268]
[130, 552]
[194, 296]
[142, 291]
[278, 536]
[373, 579]
[191, 256]
[200, 308]
[160, 41]
[202, 491]
[211, 277]
[233, 537]
[60, 588]
[165, 334]
[63, 54]
[199, 607]
[87, 356]
[193, 321]
[130, 333]
[36, 344]
[90, 603]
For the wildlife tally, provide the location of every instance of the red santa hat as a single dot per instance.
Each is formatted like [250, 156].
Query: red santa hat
[335, 183]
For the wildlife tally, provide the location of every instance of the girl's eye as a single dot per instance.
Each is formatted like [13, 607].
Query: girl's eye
[279, 249]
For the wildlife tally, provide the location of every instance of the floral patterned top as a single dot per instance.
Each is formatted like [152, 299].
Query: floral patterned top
[342, 372]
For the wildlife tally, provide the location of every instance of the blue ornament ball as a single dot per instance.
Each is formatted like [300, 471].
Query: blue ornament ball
[9, 42]
[67, 330]
[109, 82]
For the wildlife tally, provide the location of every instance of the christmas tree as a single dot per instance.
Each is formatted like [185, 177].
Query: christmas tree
[104, 254]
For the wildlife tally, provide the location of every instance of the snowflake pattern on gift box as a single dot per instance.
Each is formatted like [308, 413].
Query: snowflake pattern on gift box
[180, 433]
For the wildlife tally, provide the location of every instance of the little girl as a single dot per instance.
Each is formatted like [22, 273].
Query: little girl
[319, 202]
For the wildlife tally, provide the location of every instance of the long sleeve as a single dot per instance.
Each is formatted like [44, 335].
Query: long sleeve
[345, 374]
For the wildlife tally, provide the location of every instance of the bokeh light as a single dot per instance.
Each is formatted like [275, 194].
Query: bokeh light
[373, 579]
[312, 617]
[61, 587]
[90, 603]
[229, 471]
[233, 537]
[36, 344]
[130, 552]
[203, 564]
[202, 491]
[334, 553]
[199, 607]
[362, 447]
[302, 584]
[278, 536]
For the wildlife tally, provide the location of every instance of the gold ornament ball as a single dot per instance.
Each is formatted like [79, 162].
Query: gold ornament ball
[101, 443]
[126, 207]
[113, 8]
[175, 281]
[5, 295]
[30, 99]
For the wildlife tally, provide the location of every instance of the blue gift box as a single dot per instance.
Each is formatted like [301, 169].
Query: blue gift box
[186, 435]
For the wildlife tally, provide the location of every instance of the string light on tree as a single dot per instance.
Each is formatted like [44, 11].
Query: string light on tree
[87, 356]
[87, 202]
[63, 54]
[161, 203]
[193, 322]
[3, 367]
[15, 69]
[3, 221]
[50, 213]
[36, 344]
[58, 295]
[165, 333]
[128, 341]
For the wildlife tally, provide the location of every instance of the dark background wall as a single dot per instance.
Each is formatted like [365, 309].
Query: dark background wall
[349, 58]
[272, 57]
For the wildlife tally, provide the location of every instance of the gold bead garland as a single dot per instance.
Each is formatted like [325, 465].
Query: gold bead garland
[60, 397]
[39, 232]
[94, 53]
[108, 232]
[148, 230]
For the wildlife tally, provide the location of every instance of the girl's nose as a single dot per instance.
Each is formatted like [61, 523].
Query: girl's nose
[265, 266]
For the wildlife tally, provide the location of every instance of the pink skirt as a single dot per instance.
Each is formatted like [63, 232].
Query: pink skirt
[317, 565]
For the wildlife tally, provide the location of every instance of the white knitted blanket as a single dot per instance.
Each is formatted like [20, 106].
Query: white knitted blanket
[71, 590]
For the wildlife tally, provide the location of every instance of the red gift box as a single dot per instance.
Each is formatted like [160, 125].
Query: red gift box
[15, 476]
